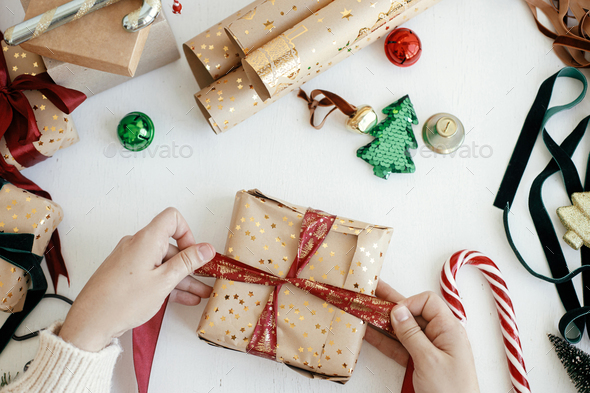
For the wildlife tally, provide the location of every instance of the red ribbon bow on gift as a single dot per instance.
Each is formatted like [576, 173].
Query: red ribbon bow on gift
[314, 228]
[19, 128]
[17, 120]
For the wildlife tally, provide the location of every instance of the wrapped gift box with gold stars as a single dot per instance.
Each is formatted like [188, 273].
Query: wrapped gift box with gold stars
[314, 337]
[23, 212]
[57, 128]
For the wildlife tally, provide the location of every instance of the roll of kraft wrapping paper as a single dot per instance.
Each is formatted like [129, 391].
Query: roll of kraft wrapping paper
[232, 99]
[212, 54]
[284, 61]
[268, 20]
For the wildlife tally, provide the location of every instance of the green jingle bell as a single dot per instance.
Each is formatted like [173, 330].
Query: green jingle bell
[136, 131]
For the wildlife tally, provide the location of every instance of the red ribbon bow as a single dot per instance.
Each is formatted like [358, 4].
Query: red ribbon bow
[17, 120]
[19, 128]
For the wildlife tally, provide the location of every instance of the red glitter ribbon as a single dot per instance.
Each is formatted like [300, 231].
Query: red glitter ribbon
[314, 229]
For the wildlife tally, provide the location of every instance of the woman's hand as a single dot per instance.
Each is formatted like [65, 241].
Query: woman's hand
[130, 286]
[435, 339]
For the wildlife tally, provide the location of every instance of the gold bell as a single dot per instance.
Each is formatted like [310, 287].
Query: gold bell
[362, 120]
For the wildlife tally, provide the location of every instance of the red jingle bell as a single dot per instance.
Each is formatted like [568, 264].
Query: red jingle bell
[403, 47]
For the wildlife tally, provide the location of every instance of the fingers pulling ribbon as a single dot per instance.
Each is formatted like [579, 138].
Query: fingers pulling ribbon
[314, 229]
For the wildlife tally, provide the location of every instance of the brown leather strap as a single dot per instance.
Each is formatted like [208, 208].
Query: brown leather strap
[569, 43]
[330, 99]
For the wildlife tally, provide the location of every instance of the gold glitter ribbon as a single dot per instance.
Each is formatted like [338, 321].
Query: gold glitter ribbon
[84, 8]
[44, 23]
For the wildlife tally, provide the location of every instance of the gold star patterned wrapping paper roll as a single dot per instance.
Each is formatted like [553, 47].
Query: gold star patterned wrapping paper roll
[23, 212]
[285, 60]
[317, 338]
[265, 21]
[57, 128]
[239, 100]
[212, 54]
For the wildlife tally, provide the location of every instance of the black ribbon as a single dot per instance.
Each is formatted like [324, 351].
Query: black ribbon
[15, 248]
[571, 324]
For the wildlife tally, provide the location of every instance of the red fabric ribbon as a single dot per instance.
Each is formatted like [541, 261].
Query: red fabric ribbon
[17, 120]
[314, 229]
[19, 128]
[55, 261]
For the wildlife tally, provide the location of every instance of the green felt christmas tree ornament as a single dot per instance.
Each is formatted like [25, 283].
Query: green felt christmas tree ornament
[388, 152]
[136, 131]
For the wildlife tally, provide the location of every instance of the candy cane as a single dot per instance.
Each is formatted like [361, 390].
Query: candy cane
[512, 345]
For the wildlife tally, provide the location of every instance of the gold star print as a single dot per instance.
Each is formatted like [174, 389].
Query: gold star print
[14, 217]
[230, 250]
[300, 349]
[211, 47]
[220, 107]
[253, 238]
[15, 229]
[247, 233]
[218, 34]
[16, 55]
[42, 107]
[346, 14]
[15, 68]
[269, 25]
[265, 247]
[273, 226]
[332, 253]
[5, 48]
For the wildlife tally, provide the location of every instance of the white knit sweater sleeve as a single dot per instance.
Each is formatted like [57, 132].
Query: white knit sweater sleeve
[61, 367]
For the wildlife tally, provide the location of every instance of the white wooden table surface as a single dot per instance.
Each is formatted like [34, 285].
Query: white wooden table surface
[482, 61]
